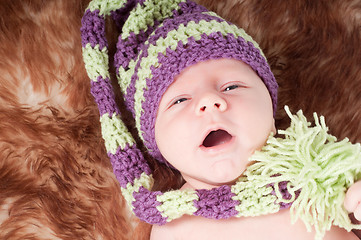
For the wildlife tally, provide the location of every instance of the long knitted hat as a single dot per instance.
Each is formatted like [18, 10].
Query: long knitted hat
[158, 39]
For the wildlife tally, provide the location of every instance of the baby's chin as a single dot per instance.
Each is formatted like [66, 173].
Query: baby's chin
[209, 183]
[224, 172]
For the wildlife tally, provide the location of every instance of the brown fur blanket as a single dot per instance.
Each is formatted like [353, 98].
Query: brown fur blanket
[55, 179]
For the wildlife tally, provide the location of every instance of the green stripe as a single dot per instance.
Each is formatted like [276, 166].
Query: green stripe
[142, 17]
[248, 193]
[171, 41]
[125, 76]
[115, 133]
[144, 180]
[96, 62]
[106, 6]
[177, 203]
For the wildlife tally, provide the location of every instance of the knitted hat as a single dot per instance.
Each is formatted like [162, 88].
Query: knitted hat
[158, 39]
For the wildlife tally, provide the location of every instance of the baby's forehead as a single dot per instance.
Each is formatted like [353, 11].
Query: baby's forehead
[215, 64]
[210, 68]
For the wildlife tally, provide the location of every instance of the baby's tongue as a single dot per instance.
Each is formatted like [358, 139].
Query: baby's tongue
[216, 138]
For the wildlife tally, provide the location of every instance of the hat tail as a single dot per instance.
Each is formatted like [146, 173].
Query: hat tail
[127, 160]
[129, 166]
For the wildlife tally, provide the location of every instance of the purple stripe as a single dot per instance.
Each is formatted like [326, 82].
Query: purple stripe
[216, 203]
[214, 46]
[282, 186]
[93, 29]
[103, 93]
[128, 164]
[145, 207]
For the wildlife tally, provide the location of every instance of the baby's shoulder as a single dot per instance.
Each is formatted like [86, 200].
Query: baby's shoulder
[193, 227]
[176, 229]
[278, 225]
[186, 227]
[161, 232]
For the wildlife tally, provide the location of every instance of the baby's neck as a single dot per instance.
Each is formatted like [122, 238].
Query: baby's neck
[201, 185]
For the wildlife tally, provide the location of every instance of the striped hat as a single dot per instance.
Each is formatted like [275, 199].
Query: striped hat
[158, 39]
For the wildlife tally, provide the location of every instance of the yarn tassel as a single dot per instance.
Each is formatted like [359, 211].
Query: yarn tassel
[314, 163]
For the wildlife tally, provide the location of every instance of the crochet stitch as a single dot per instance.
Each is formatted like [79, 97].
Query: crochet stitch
[160, 38]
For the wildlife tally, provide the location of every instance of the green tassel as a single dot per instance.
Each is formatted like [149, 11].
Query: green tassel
[312, 161]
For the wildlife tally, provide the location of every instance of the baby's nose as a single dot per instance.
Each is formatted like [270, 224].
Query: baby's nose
[211, 102]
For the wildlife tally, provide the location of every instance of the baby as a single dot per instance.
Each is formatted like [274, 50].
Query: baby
[219, 112]
[203, 99]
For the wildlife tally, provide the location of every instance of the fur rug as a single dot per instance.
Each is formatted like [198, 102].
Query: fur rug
[55, 179]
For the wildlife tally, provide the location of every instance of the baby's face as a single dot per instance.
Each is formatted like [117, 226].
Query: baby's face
[212, 119]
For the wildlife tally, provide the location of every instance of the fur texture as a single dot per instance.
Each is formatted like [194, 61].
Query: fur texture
[55, 179]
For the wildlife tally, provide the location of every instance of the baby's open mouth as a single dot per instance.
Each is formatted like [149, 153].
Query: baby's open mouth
[216, 138]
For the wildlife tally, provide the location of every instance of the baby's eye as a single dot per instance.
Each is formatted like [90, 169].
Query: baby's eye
[231, 87]
[180, 100]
